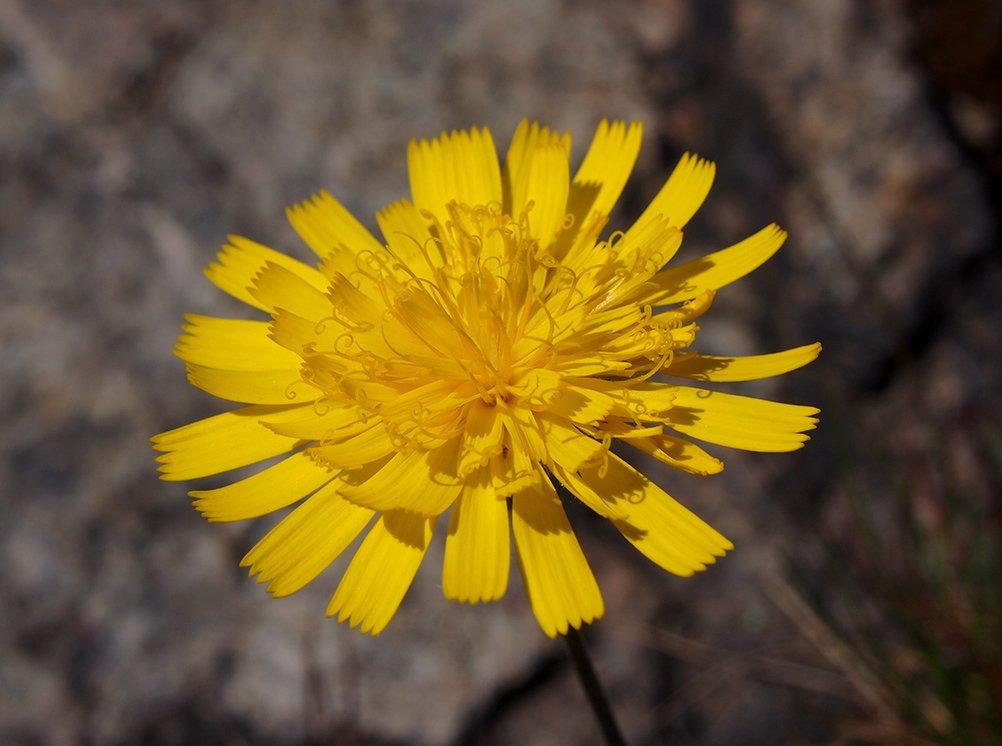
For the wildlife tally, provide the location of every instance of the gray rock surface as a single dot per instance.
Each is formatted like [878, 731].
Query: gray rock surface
[135, 136]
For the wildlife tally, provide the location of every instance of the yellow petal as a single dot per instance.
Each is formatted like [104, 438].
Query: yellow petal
[225, 441]
[525, 432]
[537, 170]
[462, 167]
[477, 549]
[381, 571]
[603, 505]
[277, 287]
[538, 388]
[585, 365]
[280, 386]
[323, 223]
[687, 312]
[302, 336]
[357, 311]
[306, 541]
[322, 420]
[513, 471]
[434, 396]
[568, 446]
[423, 482]
[740, 421]
[642, 251]
[231, 344]
[663, 530]
[594, 329]
[605, 169]
[646, 401]
[558, 581]
[750, 368]
[683, 193]
[241, 260]
[544, 182]
[482, 437]
[408, 236]
[679, 453]
[581, 403]
[715, 270]
[274, 488]
[355, 450]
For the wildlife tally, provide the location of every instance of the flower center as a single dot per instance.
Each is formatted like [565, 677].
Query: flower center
[418, 337]
[477, 308]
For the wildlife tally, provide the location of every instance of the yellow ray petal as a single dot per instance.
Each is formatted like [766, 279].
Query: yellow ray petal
[381, 571]
[666, 532]
[543, 181]
[603, 505]
[513, 471]
[645, 401]
[241, 260]
[682, 194]
[306, 541]
[231, 344]
[605, 169]
[359, 312]
[461, 166]
[558, 581]
[482, 437]
[409, 238]
[537, 169]
[280, 386]
[323, 223]
[740, 421]
[641, 252]
[477, 549]
[688, 311]
[355, 450]
[225, 441]
[625, 429]
[276, 287]
[750, 368]
[715, 270]
[429, 328]
[434, 396]
[274, 488]
[594, 330]
[584, 365]
[679, 453]
[538, 388]
[525, 432]
[322, 420]
[567, 445]
[302, 336]
[423, 482]
[581, 403]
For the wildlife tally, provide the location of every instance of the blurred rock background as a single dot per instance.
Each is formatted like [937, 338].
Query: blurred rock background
[862, 602]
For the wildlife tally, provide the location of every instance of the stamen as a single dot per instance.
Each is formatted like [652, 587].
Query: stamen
[290, 394]
[660, 365]
[343, 344]
[603, 467]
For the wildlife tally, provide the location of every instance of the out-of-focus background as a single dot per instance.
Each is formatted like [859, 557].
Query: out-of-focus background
[862, 603]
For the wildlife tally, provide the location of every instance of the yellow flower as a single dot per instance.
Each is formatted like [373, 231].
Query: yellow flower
[492, 347]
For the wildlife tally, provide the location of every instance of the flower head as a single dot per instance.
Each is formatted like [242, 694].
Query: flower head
[491, 346]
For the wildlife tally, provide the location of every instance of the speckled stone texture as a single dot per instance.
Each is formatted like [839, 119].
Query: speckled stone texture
[135, 136]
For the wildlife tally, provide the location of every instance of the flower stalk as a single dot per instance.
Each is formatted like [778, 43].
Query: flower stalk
[593, 689]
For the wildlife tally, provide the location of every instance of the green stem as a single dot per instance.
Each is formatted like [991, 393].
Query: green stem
[593, 689]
